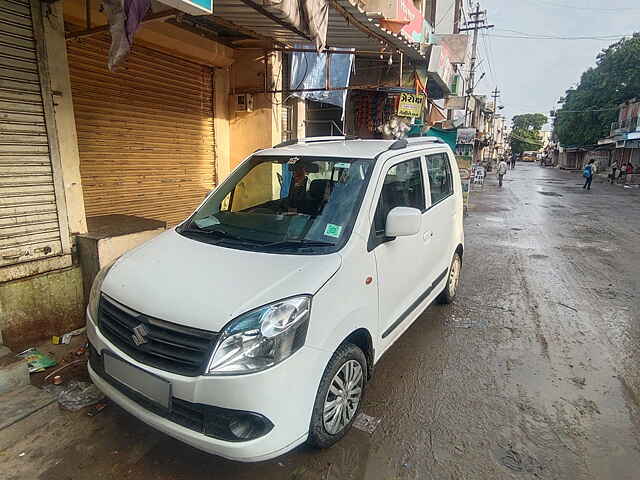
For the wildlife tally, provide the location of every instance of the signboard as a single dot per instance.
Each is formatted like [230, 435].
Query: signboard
[466, 136]
[440, 70]
[192, 7]
[410, 105]
[455, 103]
[414, 31]
[464, 166]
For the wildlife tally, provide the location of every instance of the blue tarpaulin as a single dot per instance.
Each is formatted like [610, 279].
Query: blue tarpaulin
[308, 71]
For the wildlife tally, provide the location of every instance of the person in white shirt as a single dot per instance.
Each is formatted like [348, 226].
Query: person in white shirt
[502, 169]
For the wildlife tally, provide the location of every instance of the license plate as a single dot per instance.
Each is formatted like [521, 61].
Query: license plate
[152, 387]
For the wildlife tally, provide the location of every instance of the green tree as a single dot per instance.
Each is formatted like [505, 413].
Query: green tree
[525, 133]
[614, 79]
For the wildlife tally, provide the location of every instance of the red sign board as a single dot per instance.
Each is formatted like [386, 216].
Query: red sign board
[414, 30]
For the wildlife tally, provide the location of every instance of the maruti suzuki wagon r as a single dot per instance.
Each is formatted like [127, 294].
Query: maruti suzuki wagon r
[255, 325]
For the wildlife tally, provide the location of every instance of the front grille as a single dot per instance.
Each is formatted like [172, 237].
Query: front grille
[187, 414]
[207, 419]
[167, 346]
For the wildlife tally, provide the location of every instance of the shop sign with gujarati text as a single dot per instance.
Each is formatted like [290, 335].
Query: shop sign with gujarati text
[410, 105]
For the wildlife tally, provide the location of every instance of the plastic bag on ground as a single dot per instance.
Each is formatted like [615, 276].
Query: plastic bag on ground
[76, 395]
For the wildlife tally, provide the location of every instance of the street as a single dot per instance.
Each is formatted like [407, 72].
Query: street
[531, 373]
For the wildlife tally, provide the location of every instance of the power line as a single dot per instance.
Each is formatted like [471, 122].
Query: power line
[573, 7]
[445, 14]
[478, 23]
[551, 37]
[586, 111]
[489, 56]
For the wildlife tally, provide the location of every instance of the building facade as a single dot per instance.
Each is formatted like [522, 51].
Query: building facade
[94, 161]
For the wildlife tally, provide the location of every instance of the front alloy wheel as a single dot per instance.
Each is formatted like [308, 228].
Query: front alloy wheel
[339, 396]
[343, 397]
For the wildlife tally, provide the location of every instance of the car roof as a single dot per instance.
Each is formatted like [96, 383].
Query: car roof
[350, 148]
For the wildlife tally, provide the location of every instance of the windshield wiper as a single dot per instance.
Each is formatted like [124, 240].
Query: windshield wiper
[298, 243]
[222, 234]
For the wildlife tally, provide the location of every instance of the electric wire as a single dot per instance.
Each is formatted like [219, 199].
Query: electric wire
[551, 37]
[574, 7]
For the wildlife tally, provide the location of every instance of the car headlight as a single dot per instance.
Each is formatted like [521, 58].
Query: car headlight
[96, 287]
[261, 338]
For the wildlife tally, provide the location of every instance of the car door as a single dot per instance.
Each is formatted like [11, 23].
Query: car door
[440, 215]
[401, 262]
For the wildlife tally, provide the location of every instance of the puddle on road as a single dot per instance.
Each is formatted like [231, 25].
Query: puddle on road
[550, 194]
[538, 256]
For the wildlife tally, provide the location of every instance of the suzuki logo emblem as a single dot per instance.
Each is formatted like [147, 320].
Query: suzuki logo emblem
[139, 334]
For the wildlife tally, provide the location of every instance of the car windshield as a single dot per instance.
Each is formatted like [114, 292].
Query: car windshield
[284, 204]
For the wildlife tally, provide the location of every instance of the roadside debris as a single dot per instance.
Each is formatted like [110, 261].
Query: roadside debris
[518, 462]
[580, 381]
[66, 338]
[57, 380]
[366, 423]
[77, 395]
[36, 360]
[75, 362]
[567, 306]
[96, 409]
[82, 350]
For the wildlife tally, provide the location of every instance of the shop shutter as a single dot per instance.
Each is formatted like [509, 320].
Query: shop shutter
[145, 133]
[29, 225]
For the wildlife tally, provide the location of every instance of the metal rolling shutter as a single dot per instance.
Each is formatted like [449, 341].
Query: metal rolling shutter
[29, 224]
[145, 134]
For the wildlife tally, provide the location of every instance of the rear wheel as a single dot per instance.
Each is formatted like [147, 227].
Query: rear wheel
[453, 280]
[339, 395]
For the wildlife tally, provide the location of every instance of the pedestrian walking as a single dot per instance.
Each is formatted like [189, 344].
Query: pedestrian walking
[502, 169]
[587, 173]
[612, 173]
[513, 161]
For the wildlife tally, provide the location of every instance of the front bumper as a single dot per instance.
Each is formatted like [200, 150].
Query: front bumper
[284, 394]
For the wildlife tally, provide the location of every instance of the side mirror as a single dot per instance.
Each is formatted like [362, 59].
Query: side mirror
[403, 222]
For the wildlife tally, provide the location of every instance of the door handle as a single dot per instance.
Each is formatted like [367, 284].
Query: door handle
[427, 236]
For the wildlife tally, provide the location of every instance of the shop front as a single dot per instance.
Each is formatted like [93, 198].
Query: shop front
[145, 135]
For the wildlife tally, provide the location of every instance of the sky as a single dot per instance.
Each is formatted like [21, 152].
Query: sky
[532, 74]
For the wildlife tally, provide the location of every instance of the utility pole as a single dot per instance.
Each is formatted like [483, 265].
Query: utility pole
[478, 22]
[495, 94]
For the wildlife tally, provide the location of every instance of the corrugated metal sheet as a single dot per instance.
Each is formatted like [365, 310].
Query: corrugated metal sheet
[29, 226]
[342, 31]
[240, 13]
[145, 134]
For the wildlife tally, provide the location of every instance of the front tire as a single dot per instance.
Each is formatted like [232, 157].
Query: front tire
[339, 396]
[453, 281]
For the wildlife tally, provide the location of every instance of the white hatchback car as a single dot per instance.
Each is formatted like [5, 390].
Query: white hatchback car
[255, 325]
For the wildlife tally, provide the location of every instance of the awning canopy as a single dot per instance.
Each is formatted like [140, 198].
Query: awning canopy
[349, 27]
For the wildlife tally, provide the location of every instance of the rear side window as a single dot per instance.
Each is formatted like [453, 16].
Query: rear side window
[440, 178]
[403, 187]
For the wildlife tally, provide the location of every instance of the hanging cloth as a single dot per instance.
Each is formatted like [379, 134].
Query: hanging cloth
[125, 17]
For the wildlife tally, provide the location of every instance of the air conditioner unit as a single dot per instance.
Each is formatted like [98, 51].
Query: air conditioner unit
[244, 102]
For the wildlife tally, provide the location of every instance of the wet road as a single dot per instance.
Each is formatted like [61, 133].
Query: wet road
[532, 373]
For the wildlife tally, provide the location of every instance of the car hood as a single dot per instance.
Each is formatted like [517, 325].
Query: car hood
[196, 284]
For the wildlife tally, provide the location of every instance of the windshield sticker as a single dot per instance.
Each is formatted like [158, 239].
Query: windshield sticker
[333, 230]
[342, 165]
[207, 222]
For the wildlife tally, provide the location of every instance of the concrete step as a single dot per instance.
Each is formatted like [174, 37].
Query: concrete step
[22, 411]
[14, 372]
[4, 351]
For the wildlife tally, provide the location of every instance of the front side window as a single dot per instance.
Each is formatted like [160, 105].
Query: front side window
[402, 187]
[284, 204]
[440, 179]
